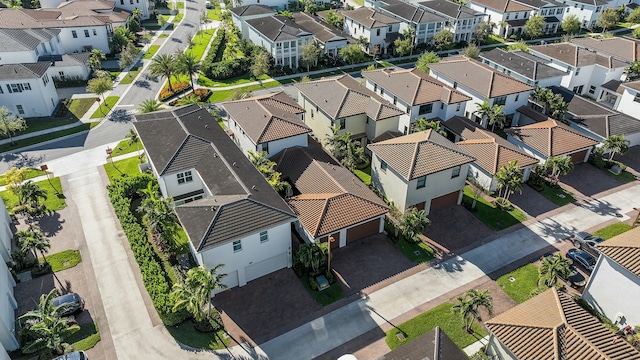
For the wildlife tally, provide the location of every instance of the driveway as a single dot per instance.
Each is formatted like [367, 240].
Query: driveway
[456, 228]
[532, 202]
[588, 180]
[631, 159]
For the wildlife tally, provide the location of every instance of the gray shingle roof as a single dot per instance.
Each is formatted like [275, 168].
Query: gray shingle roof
[67, 59]
[576, 56]
[24, 39]
[623, 48]
[23, 71]
[412, 13]
[253, 9]
[321, 31]
[370, 18]
[277, 28]
[529, 66]
[449, 9]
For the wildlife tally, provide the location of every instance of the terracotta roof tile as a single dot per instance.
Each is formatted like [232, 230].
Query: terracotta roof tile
[551, 138]
[624, 249]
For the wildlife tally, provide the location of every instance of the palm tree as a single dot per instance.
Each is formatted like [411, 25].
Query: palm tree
[158, 214]
[163, 65]
[32, 239]
[410, 33]
[258, 159]
[195, 291]
[414, 223]
[95, 60]
[353, 155]
[509, 179]
[423, 124]
[559, 166]
[484, 110]
[45, 327]
[188, 65]
[497, 117]
[616, 144]
[553, 267]
[336, 142]
[469, 304]
[137, 14]
[311, 256]
[149, 105]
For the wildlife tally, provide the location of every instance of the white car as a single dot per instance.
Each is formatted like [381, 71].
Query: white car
[76, 355]
[207, 4]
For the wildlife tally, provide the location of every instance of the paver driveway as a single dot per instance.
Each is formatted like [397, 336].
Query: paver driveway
[532, 202]
[588, 180]
[456, 228]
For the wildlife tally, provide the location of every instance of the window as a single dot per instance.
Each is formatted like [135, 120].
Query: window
[1, 92]
[377, 32]
[20, 109]
[390, 28]
[517, 97]
[578, 89]
[421, 182]
[342, 124]
[425, 109]
[27, 86]
[265, 147]
[383, 166]
[184, 177]
[455, 172]
[86, 33]
[500, 100]
[95, 33]
[455, 85]
[458, 107]
[577, 71]
[592, 90]
[264, 237]
[237, 245]
[45, 79]
[375, 87]
[312, 113]
[14, 88]
[441, 106]
[395, 100]
[637, 98]
[37, 52]
[516, 16]
[74, 34]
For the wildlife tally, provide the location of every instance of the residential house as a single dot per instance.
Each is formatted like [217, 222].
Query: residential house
[8, 304]
[274, 4]
[586, 70]
[588, 11]
[553, 325]
[68, 66]
[461, 20]
[330, 38]
[620, 48]
[491, 152]
[614, 284]
[480, 82]
[280, 36]
[27, 45]
[628, 102]
[240, 15]
[269, 123]
[426, 24]
[417, 95]
[552, 138]
[145, 7]
[422, 170]
[331, 203]
[379, 29]
[345, 103]
[433, 345]
[523, 66]
[26, 89]
[510, 16]
[231, 215]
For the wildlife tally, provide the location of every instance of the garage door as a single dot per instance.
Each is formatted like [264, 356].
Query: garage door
[363, 230]
[444, 201]
[231, 280]
[578, 157]
[265, 267]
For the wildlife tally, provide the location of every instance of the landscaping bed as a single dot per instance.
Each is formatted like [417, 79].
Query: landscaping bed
[491, 215]
[525, 280]
[63, 260]
[54, 201]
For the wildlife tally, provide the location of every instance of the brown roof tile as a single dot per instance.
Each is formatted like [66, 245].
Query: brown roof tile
[576, 56]
[68, 14]
[552, 138]
[623, 48]
[516, 6]
[370, 18]
[624, 249]
[420, 154]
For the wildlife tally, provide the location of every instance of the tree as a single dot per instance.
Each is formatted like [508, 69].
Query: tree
[267, 168]
[410, 33]
[423, 124]
[616, 144]
[260, 65]
[608, 19]
[414, 222]
[149, 105]
[443, 40]
[335, 19]
[471, 51]
[163, 65]
[99, 86]
[509, 179]
[634, 17]
[636, 33]
[310, 54]
[559, 166]
[483, 110]
[137, 14]
[353, 155]
[162, 21]
[520, 45]
[571, 25]
[468, 306]
[336, 142]
[14, 177]
[311, 256]
[128, 57]
[10, 123]
[45, 327]
[533, 26]
[352, 54]
[133, 25]
[133, 138]
[425, 60]
[95, 60]
[633, 71]
[309, 6]
[402, 46]
[194, 292]
[32, 239]
[121, 37]
[158, 214]
[482, 32]
[363, 42]
[553, 267]
[497, 117]
[188, 65]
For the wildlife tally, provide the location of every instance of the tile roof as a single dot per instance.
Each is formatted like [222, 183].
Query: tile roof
[368, 17]
[68, 14]
[551, 138]
[433, 345]
[623, 48]
[449, 9]
[252, 9]
[415, 87]
[67, 59]
[490, 150]
[278, 28]
[412, 13]
[241, 201]
[624, 249]
[419, 154]
[576, 56]
[23, 71]
[529, 66]
[344, 96]
[268, 117]
[479, 77]
[24, 39]
[513, 6]
[633, 85]
[553, 326]
[615, 86]
[330, 196]
[321, 31]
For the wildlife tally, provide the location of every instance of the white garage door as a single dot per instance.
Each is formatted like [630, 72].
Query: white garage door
[231, 280]
[265, 267]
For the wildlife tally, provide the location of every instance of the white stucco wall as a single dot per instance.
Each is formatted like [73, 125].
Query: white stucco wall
[612, 289]
[7, 302]
[278, 145]
[40, 101]
[170, 187]
[320, 123]
[17, 57]
[69, 71]
[98, 41]
[131, 5]
[375, 128]
[6, 235]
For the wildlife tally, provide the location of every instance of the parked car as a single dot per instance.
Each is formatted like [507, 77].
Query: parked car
[207, 4]
[587, 242]
[72, 303]
[76, 355]
[574, 278]
[582, 258]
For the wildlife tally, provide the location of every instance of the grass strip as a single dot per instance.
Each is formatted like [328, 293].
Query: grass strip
[105, 107]
[490, 215]
[54, 201]
[46, 137]
[525, 280]
[63, 260]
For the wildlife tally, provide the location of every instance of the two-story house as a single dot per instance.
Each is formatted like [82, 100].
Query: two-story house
[629, 103]
[404, 171]
[8, 303]
[523, 66]
[27, 90]
[619, 47]
[240, 15]
[509, 16]
[417, 95]
[345, 103]
[231, 215]
[280, 36]
[480, 82]
[426, 24]
[144, 6]
[330, 39]
[461, 21]
[588, 11]
[269, 123]
[379, 29]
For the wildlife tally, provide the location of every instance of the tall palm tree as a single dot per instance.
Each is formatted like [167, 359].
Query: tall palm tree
[423, 124]
[616, 144]
[553, 267]
[259, 159]
[469, 304]
[497, 117]
[158, 214]
[353, 155]
[188, 65]
[46, 327]
[194, 292]
[483, 110]
[163, 65]
[149, 105]
[509, 179]
[559, 166]
[410, 33]
[95, 60]
[337, 142]
[414, 223]
[32, 239]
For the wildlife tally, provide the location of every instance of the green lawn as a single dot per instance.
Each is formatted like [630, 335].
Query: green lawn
[182, 241]
[441, 316]
[79, 107]
[180, 5]
[123, 147]
[53, 202]
[85, 338]
[409, 250]
[526, 280]
[186, 334]
[38, 124]
[490, 215]
[224, 95]
[131, 75]
[624, 177]
[178, 18]
[557, 195]
[325, 297]
[243, 79]
[151, 51]
[214, 14]
[359, 2]
[612, 230]
[105, 107]
[364, 174]
[30, 173]
[63, 260]
[122, 168]
[495, 39]
[200, 42]
[162, 36]
[46, 137]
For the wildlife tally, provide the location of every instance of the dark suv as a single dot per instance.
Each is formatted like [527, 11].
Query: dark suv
[71, 302]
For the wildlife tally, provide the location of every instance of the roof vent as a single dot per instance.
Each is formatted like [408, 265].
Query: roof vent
[213, 208]
[199, 117]
[215, 155]
[234, 164]
[253, 187]
[206, 126]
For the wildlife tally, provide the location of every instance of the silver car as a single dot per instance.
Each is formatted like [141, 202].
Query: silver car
[76, 355]
[587, 242]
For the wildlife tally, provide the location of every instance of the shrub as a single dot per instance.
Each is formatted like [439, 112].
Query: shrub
[596, 158]
[69, 81]
[203, 94]
[536, 182]
[178, 88]
[503, 204]
[43, 269]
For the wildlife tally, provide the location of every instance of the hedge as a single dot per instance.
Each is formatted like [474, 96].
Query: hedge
[154, 276]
